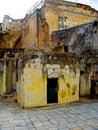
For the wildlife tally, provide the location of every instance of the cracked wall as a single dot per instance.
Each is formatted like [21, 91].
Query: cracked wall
[35, 29]
[83, 41]
[33, 75]
[34, 32]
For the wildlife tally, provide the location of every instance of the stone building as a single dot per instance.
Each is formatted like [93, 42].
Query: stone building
[51, 35]
[34, 31]
[50, 16]
[68, 69]
[47, 78]
[83, 41]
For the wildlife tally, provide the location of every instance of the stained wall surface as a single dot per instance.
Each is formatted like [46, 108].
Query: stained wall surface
[35, 29]
[82, 40]
[32, 86]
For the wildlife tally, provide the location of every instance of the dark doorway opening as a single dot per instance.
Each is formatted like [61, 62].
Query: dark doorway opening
[65, 48]
[52, 90]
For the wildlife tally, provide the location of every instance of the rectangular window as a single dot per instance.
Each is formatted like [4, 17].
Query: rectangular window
[62, 23]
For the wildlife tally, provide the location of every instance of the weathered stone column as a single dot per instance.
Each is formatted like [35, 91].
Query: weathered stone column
[9, 77]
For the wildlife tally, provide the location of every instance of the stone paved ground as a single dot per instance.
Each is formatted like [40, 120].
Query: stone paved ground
[83, 116]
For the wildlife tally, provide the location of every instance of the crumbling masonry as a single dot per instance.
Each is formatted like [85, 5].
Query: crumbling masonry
[50, 55]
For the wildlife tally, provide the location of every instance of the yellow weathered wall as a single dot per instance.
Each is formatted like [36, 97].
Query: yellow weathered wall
[74, 16]
[32, 90]
[20, 89]
[51, 16]
[68, 84]
[75, 13]
[29, 32]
